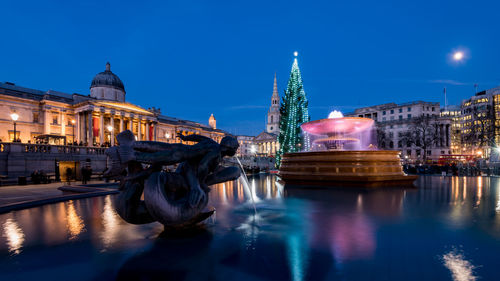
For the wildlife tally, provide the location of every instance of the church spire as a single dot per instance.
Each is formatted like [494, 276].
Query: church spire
[275, 87]
[273, 115]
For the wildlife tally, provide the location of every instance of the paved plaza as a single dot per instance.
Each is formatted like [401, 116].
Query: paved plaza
[21, 196]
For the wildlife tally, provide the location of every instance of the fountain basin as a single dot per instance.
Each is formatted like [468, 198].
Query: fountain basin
[366, 168]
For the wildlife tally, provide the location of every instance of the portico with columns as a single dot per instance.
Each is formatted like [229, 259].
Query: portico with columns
[99, 123]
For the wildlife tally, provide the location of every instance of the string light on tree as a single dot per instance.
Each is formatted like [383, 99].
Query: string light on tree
[294, 112]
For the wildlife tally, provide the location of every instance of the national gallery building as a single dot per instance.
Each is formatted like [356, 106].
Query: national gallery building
[28, 115]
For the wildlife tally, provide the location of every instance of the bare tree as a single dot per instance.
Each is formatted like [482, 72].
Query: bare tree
[423, 132]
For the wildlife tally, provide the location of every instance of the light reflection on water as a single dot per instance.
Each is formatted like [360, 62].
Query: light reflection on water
[460, 268]
[14, 235]
[73, 221]
[110, 223]
[320, 234]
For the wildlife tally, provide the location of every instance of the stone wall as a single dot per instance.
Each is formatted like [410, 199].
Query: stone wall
[20, 159]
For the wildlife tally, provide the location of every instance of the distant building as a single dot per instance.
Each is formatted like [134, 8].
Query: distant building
[393, 121]
[454, 113]
[93, 119]
[267, 144]
[273, 115]
[480, 122]
[212, 122]
[247, 147]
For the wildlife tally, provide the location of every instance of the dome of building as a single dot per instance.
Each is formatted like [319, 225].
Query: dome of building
[107, 86]
[107, 79]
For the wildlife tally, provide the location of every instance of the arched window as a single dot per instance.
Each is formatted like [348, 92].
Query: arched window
[271, 119]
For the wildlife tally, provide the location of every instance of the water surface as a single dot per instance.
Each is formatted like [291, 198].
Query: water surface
[446, 229]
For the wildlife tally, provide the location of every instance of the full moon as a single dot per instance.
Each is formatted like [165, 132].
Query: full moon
[458, 56]
[295, 53]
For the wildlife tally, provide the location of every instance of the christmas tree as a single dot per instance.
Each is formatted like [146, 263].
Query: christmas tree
[294, 112]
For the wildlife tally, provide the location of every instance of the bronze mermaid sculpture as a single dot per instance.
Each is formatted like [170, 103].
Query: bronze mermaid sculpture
[175, 199]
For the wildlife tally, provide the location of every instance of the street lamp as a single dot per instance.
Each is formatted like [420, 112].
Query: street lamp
[110, 129]
[253, 149]
[14, 116]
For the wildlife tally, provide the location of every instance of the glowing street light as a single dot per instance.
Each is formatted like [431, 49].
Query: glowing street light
[110, 128]
[14, 116]
[253, 149]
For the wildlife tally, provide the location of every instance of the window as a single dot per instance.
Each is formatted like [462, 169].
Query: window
[429, 152]
[400, 117]
[392, 111]
[409, 116]
[408, 152]
[35, 117]
[54, 119]
[272, 120]
[271, 128]
[383, 112]
[383, 118]
[400, 110]
[409, 109]
[392, 117]
[433, 108]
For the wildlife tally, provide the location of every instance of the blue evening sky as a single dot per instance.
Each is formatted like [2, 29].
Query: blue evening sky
[194, 58]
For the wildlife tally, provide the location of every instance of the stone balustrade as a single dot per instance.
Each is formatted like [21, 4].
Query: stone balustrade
[8, 147]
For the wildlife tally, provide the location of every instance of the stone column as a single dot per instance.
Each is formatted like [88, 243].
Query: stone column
[139, 133]
[147, 127]
[121, 123]
[112, 123]
[46, 121]
[63, 123]
[101, 128]
[76, 127]
[154, 131]
[90, 129]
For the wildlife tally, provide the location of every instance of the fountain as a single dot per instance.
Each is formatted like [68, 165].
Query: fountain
[343, 153]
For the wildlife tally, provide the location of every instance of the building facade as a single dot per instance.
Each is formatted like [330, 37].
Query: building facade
[454, 114]
[90, 120]
[247, 146]
[480, 122]
[394, 122]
